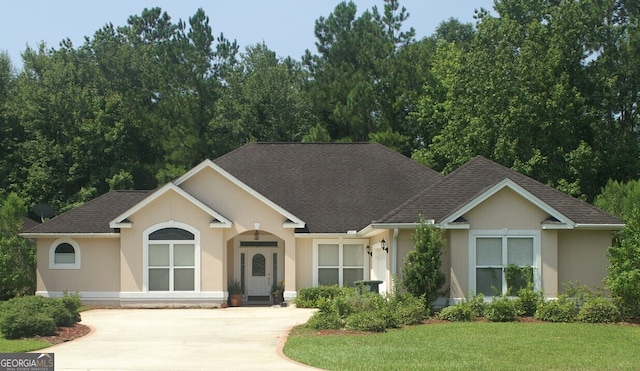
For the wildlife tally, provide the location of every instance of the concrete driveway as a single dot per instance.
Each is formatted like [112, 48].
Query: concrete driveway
[245, 338]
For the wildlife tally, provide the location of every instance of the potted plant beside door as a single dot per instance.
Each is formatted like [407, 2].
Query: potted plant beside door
[235, 292]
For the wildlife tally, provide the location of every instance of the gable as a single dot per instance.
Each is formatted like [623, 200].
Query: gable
[217, 220]
[460, 191]
[505, 209]
[215, 187]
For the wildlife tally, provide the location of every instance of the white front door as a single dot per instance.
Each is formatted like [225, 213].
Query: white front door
[260, 273]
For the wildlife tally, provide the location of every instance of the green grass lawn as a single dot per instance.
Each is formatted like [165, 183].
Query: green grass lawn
[474, 345]
[21, 345]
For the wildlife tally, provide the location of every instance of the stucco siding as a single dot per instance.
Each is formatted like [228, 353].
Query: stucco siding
[459, 257]
[549, 252]
[304, 264]
[506, 209]
[171, 207]
[99, 267]
[582, 256]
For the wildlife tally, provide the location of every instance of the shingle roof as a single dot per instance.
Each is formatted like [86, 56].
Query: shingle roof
[475, 177]
[333, 187]
[94, 216]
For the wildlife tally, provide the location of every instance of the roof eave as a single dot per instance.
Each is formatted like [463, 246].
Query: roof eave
[75, 234]
[600, 227]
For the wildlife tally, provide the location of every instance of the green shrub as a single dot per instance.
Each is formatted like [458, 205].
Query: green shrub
[477, 305]
[456, 313]
[325, 320]
[72, 302]
[17, 324]
[517, 278]
[309, 297]
[408, 309]
[63, 312]
[560, 310]
[366, 321]
[528, 301]
[597, 310]
[501, 309]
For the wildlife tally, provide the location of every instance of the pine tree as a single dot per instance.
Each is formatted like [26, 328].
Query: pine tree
[422, 268]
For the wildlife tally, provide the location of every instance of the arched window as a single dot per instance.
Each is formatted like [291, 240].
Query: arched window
[64, 253]
[171, 259]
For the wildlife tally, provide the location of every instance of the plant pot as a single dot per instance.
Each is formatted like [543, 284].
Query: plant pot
[235, 299]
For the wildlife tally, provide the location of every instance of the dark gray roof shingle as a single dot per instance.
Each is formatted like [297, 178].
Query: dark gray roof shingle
[94, 216]
[475, 177]
[333, 187]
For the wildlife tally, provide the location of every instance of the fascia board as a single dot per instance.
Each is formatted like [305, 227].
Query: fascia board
[74, 235]
[601, 227]
[299, 223]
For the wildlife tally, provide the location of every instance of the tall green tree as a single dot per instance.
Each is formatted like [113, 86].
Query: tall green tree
[357, 84]
[17, 255]
[517, 94]
[263, 101]
[422, 269]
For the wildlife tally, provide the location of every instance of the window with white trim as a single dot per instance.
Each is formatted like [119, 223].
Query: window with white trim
[502, 261]
[64, 253]
[338, 262]
[171, 262]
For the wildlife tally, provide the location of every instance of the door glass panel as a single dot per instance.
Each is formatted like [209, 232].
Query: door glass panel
[489, 281]
[159, 279]
[328, 255]
[159, 255]
[353, 255]
[489, 251]
[258, 265]
[183, 279]
[520, 251]
[328, 276]
[350, 275]
[183, 255]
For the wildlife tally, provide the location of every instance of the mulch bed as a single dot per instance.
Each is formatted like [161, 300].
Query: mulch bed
[65, 334]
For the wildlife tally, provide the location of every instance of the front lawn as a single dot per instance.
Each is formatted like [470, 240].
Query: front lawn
[474, 345]
[21, 345]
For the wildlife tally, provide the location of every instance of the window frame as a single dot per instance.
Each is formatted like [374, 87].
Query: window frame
[52, 254]
[505, 235]
[341, 267]
[172, 267]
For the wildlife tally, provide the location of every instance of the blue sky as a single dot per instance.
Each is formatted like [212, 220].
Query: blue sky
[286, 26]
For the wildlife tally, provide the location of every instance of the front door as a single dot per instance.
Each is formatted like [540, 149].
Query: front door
[260, 274]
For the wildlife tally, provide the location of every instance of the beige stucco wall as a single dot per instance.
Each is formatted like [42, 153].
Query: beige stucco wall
[549, 256]
[244, 210]
[99, 267]
[172, 207]
[304, 265]
[582, 256]
[459, 257]
[506, 209]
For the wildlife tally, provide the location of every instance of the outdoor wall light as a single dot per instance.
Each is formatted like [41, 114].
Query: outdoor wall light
[369, 250]
[256, 234]
[383, 244]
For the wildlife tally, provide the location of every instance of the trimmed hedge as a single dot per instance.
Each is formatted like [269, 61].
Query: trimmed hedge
[30, 316]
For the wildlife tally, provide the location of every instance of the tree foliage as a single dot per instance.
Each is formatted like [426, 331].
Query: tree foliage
[624, 268]
[548, 88]
[421, 271]
[17, 255]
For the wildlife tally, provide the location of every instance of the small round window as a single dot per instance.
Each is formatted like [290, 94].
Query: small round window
[65, 254]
